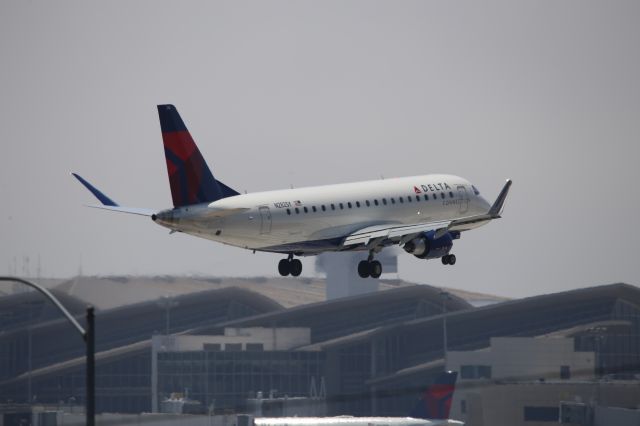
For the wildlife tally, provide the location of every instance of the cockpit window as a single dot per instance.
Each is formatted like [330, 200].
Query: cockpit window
[475, 190]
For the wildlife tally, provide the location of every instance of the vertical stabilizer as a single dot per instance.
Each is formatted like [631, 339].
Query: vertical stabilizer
[190, 179]
[435, 402]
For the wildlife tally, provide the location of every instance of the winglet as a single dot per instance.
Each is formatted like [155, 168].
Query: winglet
[498, 205]
[95, 191]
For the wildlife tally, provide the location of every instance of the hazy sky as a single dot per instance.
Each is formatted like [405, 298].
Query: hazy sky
[310, 93]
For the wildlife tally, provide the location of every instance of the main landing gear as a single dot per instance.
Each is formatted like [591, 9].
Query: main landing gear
[290, 266]
[449, 259]
[370, 268]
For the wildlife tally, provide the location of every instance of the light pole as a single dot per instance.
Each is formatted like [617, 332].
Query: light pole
[445, 297]
[87, 336]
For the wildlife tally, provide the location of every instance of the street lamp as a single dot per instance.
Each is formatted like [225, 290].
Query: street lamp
[445, 296]
[87, 335]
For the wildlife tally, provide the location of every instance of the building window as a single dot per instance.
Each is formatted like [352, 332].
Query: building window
[565, 372]
[233, 347]
[475, 372]
[541, 414]
[255, 347]
[212, 347]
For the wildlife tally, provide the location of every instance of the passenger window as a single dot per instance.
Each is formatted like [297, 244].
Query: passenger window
[358, 204]
[450, 194]
[384, 201]
[341, 206]
[324, 209]
[401, 200]
[408, 198]
[367, 203]
[289, 211]
[297, 210]
[442, 195]
[349, 204]
[314, 209]
[393, 200]
[426, 197]
[333, 206]
[375, 202]
[306, 210]
[417, 198]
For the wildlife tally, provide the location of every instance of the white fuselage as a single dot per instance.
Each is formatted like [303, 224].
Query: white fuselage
[351, 421]
[313, 219]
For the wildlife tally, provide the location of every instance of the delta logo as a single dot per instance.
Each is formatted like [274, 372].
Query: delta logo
[432, 187]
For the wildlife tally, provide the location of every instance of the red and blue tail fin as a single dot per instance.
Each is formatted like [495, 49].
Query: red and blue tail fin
[190, 178]
[435, 403]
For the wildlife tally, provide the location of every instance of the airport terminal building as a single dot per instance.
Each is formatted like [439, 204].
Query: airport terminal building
[364, 355]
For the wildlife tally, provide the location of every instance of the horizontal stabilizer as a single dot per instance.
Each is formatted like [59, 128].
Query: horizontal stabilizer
[108, 203]
[95, 191]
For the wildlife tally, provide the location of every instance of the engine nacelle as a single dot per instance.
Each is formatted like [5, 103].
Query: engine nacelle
[428, 247]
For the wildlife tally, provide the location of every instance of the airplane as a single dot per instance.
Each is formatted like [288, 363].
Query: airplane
[432, 409]
[422, 214]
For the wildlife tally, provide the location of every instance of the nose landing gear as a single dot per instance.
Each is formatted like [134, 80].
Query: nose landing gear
[290, 266]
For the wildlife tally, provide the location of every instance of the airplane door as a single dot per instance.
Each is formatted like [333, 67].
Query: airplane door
[265, 220]
[463, 199]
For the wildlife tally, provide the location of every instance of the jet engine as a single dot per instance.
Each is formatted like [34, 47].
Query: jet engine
[428, 247]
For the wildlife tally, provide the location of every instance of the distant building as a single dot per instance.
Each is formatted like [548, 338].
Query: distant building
[376, 352]
[222, 371]
[523, 358]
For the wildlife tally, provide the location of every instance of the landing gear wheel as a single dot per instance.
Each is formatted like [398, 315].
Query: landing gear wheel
[296, 267]
[284, 267]
[376, 269]
[364, 269]
[445, 259]
[452, 259]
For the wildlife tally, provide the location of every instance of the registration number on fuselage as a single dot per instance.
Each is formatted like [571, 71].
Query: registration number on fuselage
[282, 205]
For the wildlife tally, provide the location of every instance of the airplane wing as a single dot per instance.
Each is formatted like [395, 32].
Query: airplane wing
[373, 236]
